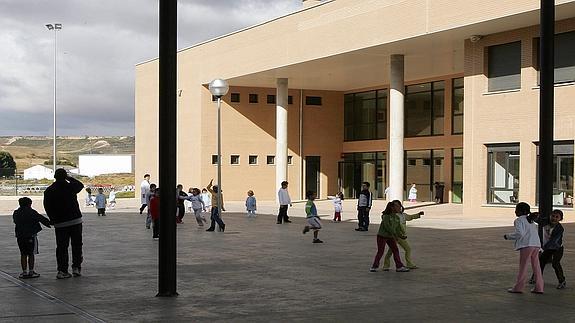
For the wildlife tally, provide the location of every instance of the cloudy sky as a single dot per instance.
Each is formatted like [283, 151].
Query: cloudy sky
[99, 45]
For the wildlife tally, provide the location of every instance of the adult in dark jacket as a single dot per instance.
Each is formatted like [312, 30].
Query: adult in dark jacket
[61, 205]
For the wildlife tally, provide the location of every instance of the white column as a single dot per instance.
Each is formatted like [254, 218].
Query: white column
[396, 119]
[281, 130]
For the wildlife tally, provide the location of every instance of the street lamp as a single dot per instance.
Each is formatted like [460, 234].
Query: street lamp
[219, 88]
[55, 28]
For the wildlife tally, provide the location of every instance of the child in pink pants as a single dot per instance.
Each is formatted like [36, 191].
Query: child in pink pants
[527, 242]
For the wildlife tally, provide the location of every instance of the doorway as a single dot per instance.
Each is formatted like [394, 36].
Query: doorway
[312, 174]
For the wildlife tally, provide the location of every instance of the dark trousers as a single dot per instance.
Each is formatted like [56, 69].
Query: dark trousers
[363, 217]
[282, 214]
[555, 257]
[216, 218]
[142, 208]
[381, 242]
[156, 229]
[64, 236]
[102, 212]
[181, 212]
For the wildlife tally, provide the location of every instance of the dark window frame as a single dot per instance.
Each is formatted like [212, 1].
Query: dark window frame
[235, 97]
[432, 90]
[453, 113]
[253, 98]
[380, 95]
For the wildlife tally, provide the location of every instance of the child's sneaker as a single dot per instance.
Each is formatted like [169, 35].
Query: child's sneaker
[317, 241]
[23, 275]
[402, 270]
[63, 275]
[562, 285]
[76, 272]
[372, 269]
[305, 229]
[33, 274]
[412, 267]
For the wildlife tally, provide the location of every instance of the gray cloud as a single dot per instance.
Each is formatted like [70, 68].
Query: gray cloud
[99, 45]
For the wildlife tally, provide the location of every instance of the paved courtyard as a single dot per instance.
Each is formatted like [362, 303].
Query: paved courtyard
[258, 271]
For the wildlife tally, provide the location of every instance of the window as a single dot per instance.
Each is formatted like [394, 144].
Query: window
[271, 99]
[214, 98]
[271, 160]
[235, 159]
[253, 98]
[503, 174]
[424, 109]
[365, 115]
[290, 99]
[363, 167]
[564, 58]
[253, 159]
[313, 100]
[290, 160]
[457, 178]
[562, 173]
[457, 107]
[214, 159]
[504, 67]
[424, 168]
[235, 97]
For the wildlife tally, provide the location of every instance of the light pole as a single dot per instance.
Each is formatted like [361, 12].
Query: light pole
[219, 88]
[55, 28]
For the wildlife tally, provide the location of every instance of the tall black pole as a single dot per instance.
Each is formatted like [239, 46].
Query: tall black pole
[546, 101]
[167, 147]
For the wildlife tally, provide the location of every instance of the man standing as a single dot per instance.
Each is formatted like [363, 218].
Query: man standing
[61, 206]
[144, 190]
[285, 201]
[363, 206]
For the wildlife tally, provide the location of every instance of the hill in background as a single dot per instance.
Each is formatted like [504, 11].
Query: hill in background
[30, 151]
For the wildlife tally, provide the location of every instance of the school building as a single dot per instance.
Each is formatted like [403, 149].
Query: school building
[392, 92]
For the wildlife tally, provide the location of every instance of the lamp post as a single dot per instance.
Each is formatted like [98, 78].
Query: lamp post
[55, 28]
[219, 88]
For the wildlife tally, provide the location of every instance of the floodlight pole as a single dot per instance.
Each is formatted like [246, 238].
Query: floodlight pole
[55, 28]
[546, 103]
[167, 147]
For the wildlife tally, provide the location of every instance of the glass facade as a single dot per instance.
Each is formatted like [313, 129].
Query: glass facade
[423, 168]
[562, 174]
[365, 115]
[503, 174]
[368, 167]
[564, 59]
[457, 177]
[457, 107]
[424, 109]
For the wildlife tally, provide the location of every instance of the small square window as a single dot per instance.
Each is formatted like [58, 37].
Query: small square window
[271, 160]
[313, 100]
[235, 159]
[271, 99]
[411, 162]
[438, 161]
[426, 162]
[290, 160]
[214, 159]
[214, 98]
[290, 99]
[253, 159]
[253, 98]
[235, 97]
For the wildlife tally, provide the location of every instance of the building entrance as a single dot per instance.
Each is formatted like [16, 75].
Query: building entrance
[312, 174]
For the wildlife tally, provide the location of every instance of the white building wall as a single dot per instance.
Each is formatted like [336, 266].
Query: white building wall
[38, 172]
[93, 165]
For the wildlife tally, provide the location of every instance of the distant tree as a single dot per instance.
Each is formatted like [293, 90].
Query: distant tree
[7, 164]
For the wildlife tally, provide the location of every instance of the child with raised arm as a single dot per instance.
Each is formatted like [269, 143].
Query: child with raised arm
[390, 230]
[337, 206]
[313, 220]
[403, 217]
[27, 222]
[197, 205]
[216, 208]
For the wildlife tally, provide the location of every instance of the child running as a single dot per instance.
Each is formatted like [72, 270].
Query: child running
[390, 230]
[528, 244]
[251, 206]
[337, 206]
[313, 220]
[101, 202]
[27, 222]
[403, 217]
[551, 237]
[197, 205]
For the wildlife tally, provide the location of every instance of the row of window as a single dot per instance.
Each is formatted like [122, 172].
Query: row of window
[365, 113]
[503, 174]
[252, 160]
[504, 62]
[271, 99]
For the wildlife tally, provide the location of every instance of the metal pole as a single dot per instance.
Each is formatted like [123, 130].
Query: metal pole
[167, 147]
[546, 102]
[219, 157]
[54, 143]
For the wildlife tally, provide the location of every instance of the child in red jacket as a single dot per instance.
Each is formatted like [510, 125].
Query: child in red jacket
[154, 208]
